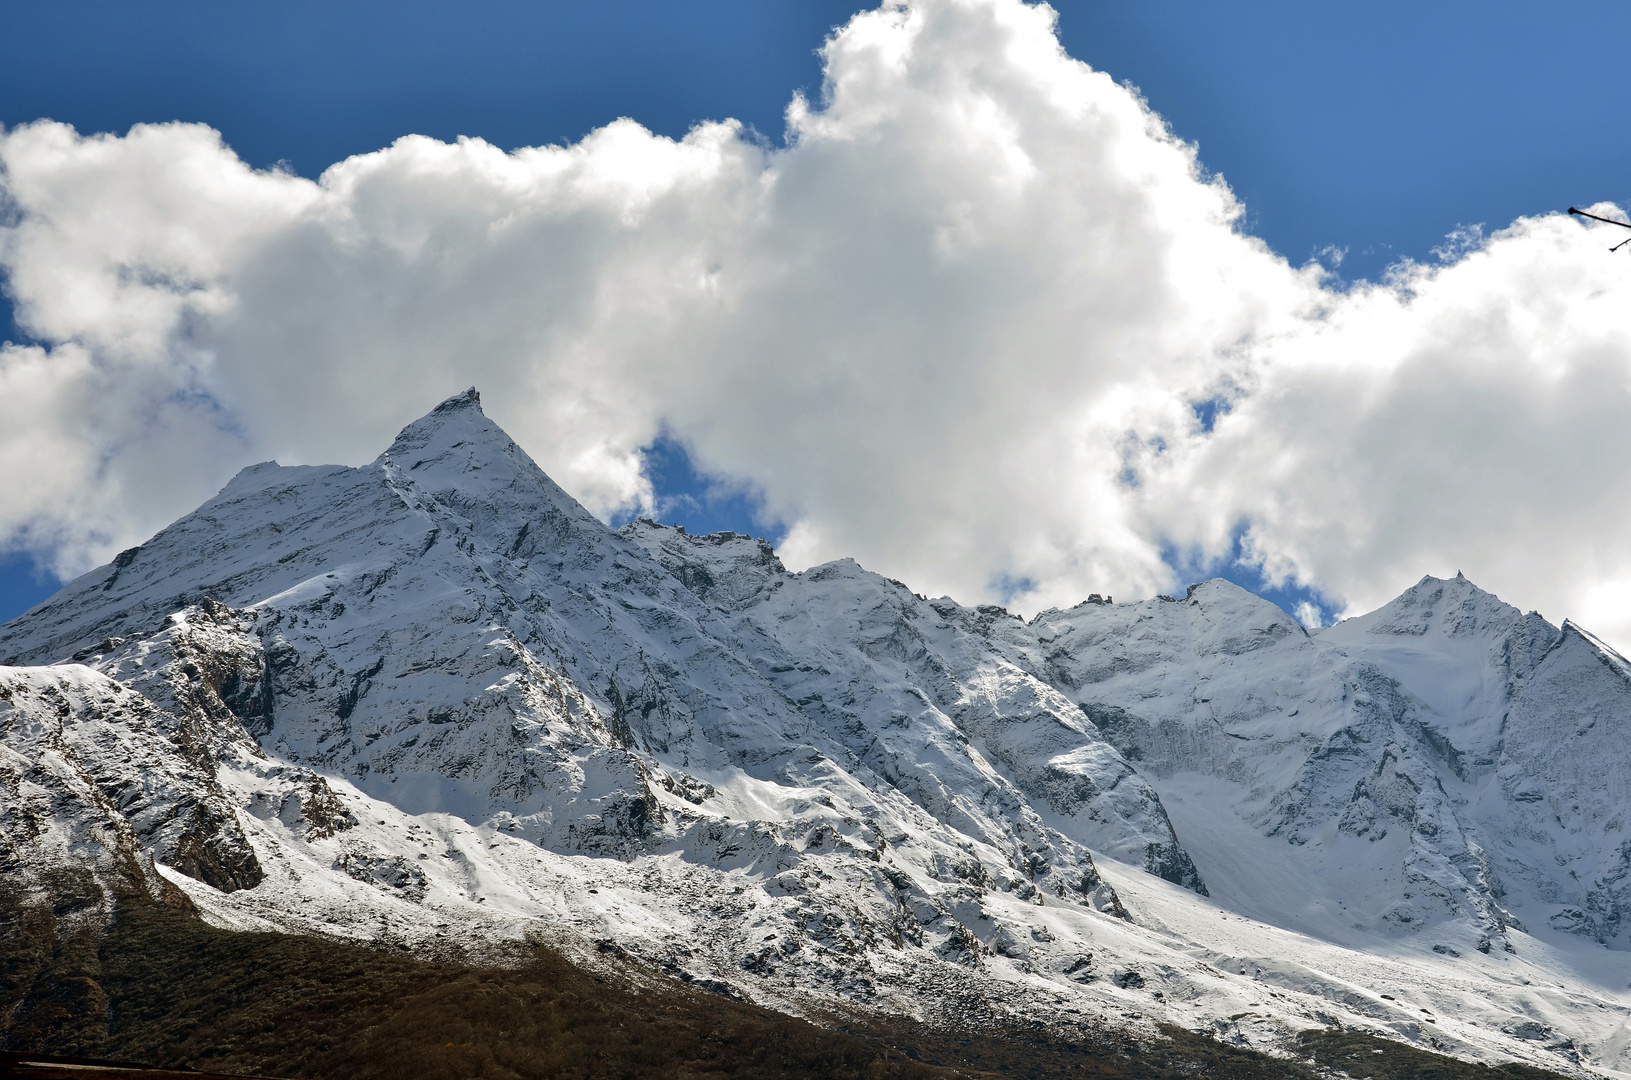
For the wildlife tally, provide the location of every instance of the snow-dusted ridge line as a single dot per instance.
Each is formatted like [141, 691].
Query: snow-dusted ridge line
[432, 698]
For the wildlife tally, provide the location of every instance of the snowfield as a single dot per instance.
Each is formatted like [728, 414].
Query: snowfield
[434, 702]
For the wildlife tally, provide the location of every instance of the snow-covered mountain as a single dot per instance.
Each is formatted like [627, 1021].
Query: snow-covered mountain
[434, 698]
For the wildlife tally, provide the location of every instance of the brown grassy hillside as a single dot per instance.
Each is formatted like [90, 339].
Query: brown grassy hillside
[161, 986]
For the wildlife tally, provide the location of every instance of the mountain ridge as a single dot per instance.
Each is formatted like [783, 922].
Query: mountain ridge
[433, 698]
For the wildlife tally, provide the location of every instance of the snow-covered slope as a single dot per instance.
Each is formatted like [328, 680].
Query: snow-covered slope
[432, 697]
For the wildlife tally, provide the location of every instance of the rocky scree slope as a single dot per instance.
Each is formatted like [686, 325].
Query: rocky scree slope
[433, 698]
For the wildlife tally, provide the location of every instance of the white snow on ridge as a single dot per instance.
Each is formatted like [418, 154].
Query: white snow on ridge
[434, 700]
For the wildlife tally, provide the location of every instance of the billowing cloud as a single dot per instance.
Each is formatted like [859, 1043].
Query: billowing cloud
[1472, 416]
[956, 327]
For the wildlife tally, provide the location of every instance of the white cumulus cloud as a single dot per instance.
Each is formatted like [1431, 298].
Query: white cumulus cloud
[955, 327]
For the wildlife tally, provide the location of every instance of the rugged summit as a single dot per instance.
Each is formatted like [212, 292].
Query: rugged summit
[433, 697]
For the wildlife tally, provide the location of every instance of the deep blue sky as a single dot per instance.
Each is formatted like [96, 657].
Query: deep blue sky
[1375, 127]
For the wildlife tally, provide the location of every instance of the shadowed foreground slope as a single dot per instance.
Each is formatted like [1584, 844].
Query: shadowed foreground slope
[163, 987]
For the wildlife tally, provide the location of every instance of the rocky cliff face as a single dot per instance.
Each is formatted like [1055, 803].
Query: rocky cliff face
[434, 699]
